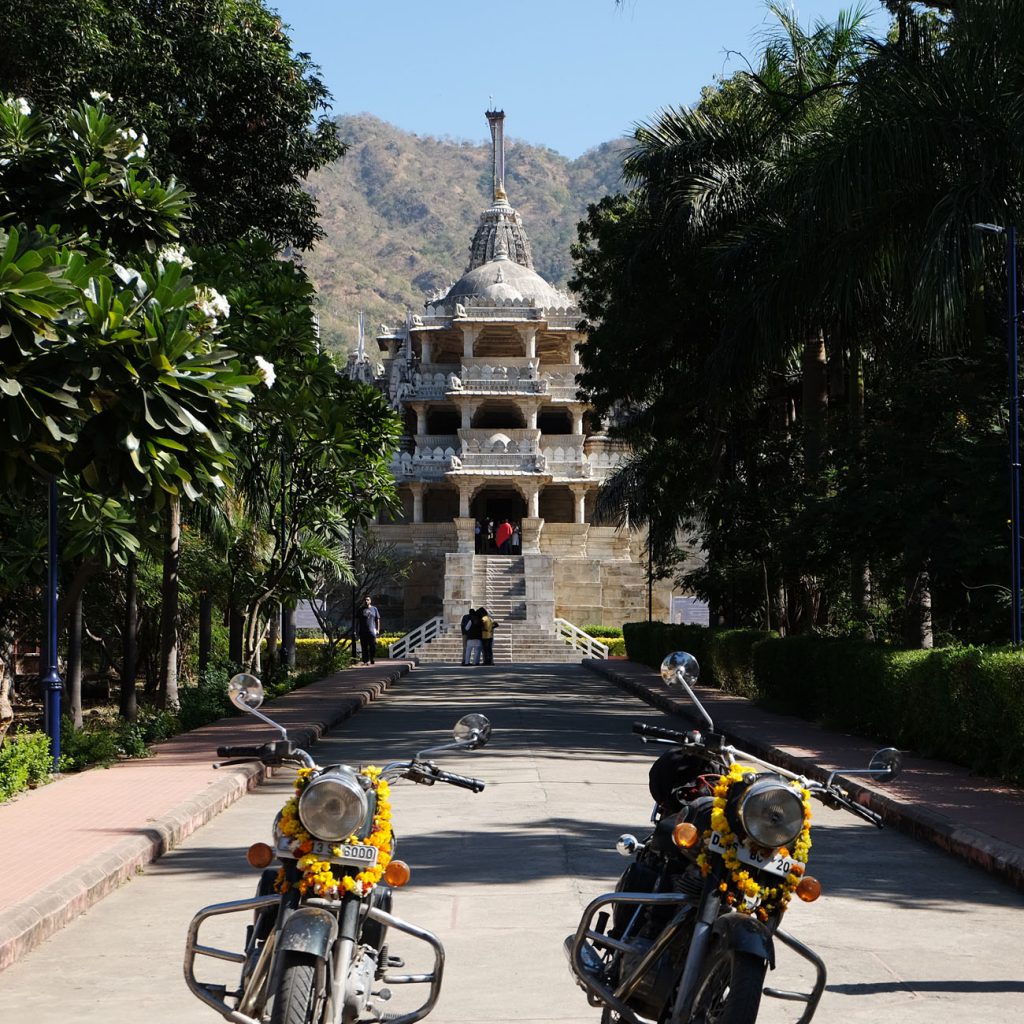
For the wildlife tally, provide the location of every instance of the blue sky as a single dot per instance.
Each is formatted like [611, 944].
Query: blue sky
[569, 74]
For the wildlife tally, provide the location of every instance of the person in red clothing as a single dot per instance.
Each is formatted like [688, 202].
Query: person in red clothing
[503, 536]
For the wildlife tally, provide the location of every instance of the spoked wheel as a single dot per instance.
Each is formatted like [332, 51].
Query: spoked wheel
[296, 1000]
[729, 990]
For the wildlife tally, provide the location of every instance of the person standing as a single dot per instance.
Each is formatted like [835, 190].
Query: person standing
[487, 627]
[503, 536]
[464, 628]
[478, 537]
[369, 629]
[517, 540]
[490, 536]
[474, 644]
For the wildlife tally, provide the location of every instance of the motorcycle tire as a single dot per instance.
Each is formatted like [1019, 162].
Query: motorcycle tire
[729, 989]
[296, 997]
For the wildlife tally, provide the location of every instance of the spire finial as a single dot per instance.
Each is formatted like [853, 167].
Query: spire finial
[496, 119]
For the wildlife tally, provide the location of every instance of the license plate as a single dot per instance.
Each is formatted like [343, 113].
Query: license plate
[349, 853]
[764, 860]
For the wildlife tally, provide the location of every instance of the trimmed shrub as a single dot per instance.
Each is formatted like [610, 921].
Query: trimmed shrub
[600, 632]
[724, 655]
[25, 762]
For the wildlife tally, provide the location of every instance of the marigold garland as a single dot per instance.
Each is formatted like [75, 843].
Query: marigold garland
[318, 876]
[744, 893]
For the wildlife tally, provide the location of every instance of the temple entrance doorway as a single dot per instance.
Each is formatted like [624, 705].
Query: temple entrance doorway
[497, 504]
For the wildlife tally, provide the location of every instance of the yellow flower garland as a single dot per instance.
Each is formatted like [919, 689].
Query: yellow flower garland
[745, 894]
[317, 875]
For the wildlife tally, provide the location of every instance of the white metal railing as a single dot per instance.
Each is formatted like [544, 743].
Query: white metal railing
[579, 640]
[405, 645]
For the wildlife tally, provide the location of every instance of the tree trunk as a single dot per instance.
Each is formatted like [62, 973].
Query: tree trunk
[130, 643]
[74, 676]
[273, 638]
[236, 635]
[917, 620]
[168, 695]
[815, 404]
[205, 631]
[288, 638]
[7, 666]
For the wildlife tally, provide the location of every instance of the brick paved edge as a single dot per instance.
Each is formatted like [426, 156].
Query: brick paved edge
[27, 924]
[978, 848]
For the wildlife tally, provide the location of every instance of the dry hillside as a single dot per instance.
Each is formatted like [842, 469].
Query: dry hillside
[400, 209]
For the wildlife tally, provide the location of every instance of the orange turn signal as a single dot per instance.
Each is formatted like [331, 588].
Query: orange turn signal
[685, 835]
[260, 855]
[397, 873]
[808, 889]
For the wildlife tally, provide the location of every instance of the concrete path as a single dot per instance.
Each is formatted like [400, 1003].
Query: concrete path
[910, 934]
[68, 844]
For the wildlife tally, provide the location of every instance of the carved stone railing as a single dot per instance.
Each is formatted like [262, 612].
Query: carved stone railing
[522, 462]
[575, 637]
[503, 387]
[404, 646]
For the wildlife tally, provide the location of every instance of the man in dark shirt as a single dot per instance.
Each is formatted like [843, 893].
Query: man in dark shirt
[369, 628]
[464, 627]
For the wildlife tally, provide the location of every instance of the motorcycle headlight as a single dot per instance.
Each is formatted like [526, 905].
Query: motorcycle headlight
[333, 805]
[771, 813]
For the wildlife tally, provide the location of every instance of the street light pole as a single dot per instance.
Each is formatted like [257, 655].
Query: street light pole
[51, 682]
[1014, 425]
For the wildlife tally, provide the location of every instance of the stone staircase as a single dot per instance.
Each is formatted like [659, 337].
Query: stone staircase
[499, 585]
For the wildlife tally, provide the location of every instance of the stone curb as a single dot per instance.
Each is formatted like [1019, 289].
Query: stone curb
[27, 924]
[985, 851]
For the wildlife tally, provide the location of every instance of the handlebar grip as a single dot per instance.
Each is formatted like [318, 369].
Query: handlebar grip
[657, 732]
[260, 751]
[463, 781]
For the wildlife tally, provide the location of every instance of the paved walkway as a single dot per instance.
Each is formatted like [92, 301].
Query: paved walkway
[66, 845]
[977, 819]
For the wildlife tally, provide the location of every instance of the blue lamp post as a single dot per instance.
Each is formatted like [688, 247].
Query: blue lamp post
[52, 684]
[1014, 426]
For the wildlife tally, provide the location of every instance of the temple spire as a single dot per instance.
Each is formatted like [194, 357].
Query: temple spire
[496, 119]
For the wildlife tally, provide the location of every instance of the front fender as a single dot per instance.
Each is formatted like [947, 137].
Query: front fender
[309, 930]
[746, 934]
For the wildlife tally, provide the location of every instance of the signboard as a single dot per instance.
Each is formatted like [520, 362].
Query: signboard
[690, 611]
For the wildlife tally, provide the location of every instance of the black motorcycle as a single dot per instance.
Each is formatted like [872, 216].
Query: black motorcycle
[690, 931]
[315, 948]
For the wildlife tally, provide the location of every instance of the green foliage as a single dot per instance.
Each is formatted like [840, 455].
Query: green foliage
[25, 762]
[95, 743]
[965, 704]
[602, 631]
[725, 656]
[207, 700]
[226, 105]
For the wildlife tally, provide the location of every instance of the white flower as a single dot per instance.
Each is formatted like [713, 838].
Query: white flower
[174, 254]
[267, 371]
[212, 304]
[140, 152]
[99, 97]
[23, 107]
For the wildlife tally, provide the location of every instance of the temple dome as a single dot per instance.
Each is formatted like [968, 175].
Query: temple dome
[503, 282]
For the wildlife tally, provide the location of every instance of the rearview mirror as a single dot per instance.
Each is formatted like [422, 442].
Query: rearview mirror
[245, 691]
[679, 665]
[887, 762]
[474, 729]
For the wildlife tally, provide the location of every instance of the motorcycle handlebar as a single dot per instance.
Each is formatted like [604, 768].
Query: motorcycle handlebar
[263, 751]
[657, 732]
[463, 781]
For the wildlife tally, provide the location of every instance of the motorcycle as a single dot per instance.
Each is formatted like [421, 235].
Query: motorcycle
[316, 942]
[689, 933]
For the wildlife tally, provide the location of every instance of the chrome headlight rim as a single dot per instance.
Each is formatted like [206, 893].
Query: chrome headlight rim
[766, 825]
[333, 805]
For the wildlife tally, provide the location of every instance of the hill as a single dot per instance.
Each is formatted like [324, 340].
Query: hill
[400, 209]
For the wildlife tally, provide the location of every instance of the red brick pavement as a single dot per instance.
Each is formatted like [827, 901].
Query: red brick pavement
[100, 826]
[980, 820]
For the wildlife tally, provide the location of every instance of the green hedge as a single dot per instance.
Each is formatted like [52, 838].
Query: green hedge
[965, 704]
[25, 761]
[724, 655]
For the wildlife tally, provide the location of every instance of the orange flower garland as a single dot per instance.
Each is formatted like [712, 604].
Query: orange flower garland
[747, 895]
[318, 875]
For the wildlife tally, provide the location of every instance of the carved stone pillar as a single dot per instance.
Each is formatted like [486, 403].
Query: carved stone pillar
[579, 492]
[421, 418]
[530, 409]
[529, 534]
[574, 354]
[464, 496]
[469, 336]
[468, 411]
[465, 543]
[529, 341]
[533, 500]
[577, 420]
[425, 350]
[418, 490]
